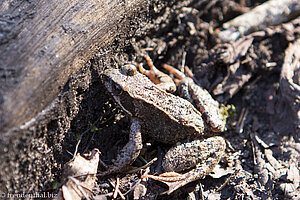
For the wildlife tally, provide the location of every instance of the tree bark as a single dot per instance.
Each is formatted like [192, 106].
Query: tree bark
[43, 42]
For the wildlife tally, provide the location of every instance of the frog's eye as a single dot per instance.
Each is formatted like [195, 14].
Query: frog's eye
[129, 70]
[117, 89]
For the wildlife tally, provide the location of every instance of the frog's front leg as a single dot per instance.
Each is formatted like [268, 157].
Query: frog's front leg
[204, 155]
[129, 152]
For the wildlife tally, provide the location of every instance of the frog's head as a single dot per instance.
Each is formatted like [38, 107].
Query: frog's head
[116, 82]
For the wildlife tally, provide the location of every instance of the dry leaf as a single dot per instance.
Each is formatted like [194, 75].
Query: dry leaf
[79, 176]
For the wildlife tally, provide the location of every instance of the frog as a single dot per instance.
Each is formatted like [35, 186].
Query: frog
[166, 118]
[189, 90]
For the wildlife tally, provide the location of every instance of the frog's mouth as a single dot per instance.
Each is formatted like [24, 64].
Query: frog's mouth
[118, 93]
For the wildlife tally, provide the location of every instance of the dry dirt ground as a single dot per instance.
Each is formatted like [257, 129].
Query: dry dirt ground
[262, 158]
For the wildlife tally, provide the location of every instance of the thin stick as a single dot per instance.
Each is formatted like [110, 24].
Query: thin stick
[227, 180]
[183, 61]
[79, 187]
[142, 167]
[116, 188]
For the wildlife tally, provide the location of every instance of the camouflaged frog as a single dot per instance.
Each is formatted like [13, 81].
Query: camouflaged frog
[169, 119]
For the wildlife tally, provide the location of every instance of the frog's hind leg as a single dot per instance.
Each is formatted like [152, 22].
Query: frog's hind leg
[129, 152]
[208, 156]
[190, 90]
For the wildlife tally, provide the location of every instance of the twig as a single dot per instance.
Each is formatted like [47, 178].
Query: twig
[142, 167]
[135, 184]
[240, 125]
[253, 149]
[7, 20]
[201, 190]
[270, 13]
[118, 191]
[227, 180]
[116, 188]
[183, 61]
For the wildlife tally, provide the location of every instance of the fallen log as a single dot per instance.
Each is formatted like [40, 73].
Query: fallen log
[45, 48]
[43, 42]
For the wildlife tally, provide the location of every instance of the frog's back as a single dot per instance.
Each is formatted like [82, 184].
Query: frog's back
[166, 117]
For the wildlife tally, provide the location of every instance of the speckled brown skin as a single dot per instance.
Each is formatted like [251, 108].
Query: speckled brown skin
[167, 118]
[201, 155]
[193, 153]
[129, 152]
[208, 107]
[201, 99]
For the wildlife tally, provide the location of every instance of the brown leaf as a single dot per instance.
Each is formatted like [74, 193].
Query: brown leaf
[79, 176]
